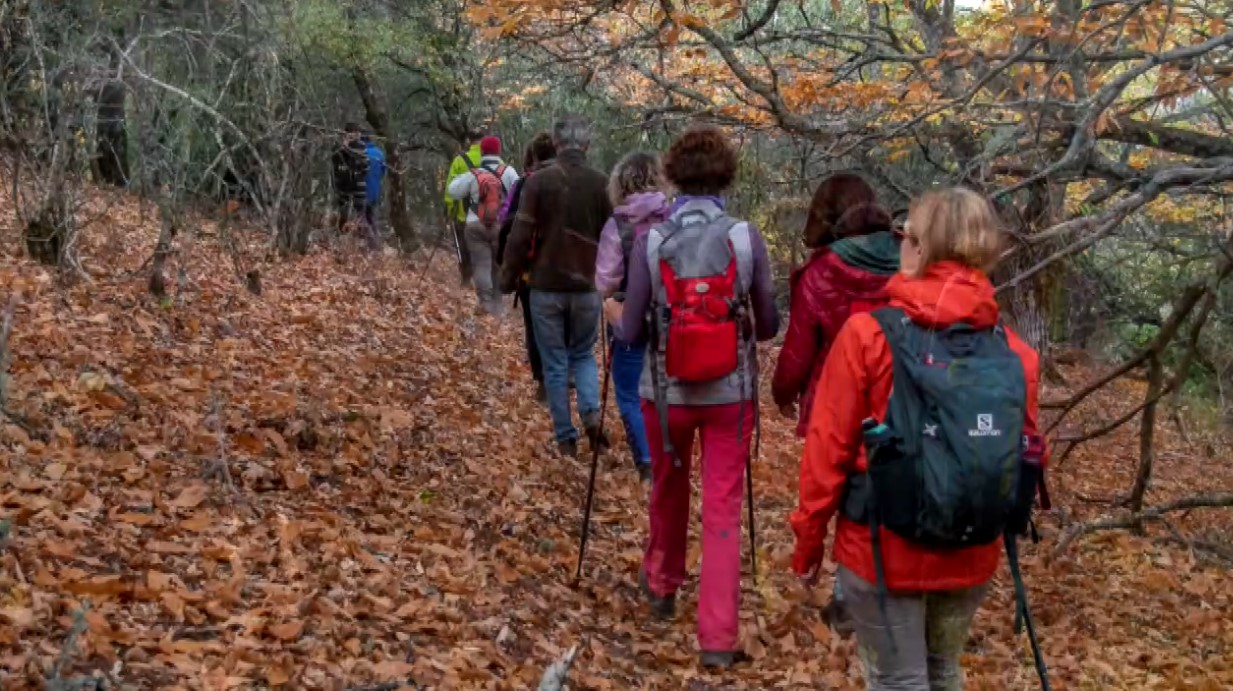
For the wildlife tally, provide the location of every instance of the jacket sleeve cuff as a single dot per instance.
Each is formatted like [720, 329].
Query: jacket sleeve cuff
[807, 556]
[781, 394]
[810, 547]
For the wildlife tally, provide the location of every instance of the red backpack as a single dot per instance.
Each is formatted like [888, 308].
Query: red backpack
[704, 306]
[491, 194]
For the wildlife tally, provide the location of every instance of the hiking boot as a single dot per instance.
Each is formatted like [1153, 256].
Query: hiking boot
[662, 606]
[836, 616]
[645, 476]
[541, 393]
[590, 423]
[722, 659]
[568, 449]
[597, 438]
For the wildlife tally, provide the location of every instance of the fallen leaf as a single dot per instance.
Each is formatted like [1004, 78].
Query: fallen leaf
[158, 581]
[390, 670]
[164, 547]
[197, 524]
[191, 496]
[99, 586]
[286, 631]
[295, 480]
[135, 518]
[21, 617]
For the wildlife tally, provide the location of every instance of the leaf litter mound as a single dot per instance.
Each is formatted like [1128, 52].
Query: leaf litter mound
[346, 483]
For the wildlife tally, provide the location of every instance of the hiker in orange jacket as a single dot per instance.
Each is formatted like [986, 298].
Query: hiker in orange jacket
[948, 243]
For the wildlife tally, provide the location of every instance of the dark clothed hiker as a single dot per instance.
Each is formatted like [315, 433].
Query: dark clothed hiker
[562, 210]
[539, 154]
[349, 170]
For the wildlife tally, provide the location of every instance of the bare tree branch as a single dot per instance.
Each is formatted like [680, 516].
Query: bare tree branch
[1216, 500]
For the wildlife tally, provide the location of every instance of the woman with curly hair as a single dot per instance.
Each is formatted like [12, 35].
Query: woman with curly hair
[638, 201]
[704, 279]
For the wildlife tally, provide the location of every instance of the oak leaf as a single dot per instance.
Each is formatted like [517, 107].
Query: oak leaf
[286, 631]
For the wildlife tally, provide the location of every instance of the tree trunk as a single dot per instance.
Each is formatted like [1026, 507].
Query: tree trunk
[110, 163]
[111, 158]
[291, 204]
[45, 234]
[378, 117]
[1029, 304]
[162, 250]
[1147, 434]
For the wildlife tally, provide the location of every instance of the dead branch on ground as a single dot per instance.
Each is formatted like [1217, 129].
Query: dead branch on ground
[1129, 520]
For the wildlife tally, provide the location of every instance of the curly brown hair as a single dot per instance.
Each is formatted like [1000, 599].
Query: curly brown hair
[637, 172]
[701, 162]
[844, 205]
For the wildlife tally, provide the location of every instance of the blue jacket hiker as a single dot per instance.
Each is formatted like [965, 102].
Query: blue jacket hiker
[376, 175]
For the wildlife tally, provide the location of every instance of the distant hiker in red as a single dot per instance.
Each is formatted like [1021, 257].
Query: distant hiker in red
[923, 438]
[704, 280]
[635, 188]
[854, 255]
[483, 190]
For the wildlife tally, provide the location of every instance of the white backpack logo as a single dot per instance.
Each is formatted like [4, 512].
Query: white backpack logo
[984, 427]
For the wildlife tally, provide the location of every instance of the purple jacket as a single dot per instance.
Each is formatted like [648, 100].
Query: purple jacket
[638, 289]
[643, 209]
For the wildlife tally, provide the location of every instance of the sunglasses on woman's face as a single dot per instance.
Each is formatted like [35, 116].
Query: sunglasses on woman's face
[903, 233]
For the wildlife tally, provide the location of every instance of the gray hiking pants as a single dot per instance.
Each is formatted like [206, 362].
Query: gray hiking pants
[930, 630]
[482, 247]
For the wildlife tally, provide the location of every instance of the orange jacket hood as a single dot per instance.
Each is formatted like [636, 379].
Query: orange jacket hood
[948, 293]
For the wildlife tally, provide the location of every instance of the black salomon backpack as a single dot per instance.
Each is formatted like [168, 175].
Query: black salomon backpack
[950, 467]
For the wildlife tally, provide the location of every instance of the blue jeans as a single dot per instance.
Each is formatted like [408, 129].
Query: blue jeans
[554, 315]
[626, 371]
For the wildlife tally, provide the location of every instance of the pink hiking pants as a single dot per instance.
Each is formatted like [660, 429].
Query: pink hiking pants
[723, 474]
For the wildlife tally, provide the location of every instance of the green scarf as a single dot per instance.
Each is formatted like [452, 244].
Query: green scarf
[877, 253]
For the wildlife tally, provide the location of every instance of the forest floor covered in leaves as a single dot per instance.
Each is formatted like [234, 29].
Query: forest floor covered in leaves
[346, 481]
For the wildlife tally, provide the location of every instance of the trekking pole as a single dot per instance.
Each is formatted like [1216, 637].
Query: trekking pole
[741, 357]
[436, 244]
[432, 253]
[749, 459]
[606, 356]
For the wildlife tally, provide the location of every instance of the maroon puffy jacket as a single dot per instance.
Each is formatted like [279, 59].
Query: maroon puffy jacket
[825, 292]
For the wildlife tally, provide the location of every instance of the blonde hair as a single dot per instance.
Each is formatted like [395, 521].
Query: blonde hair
[955, 224]
[636, 172]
